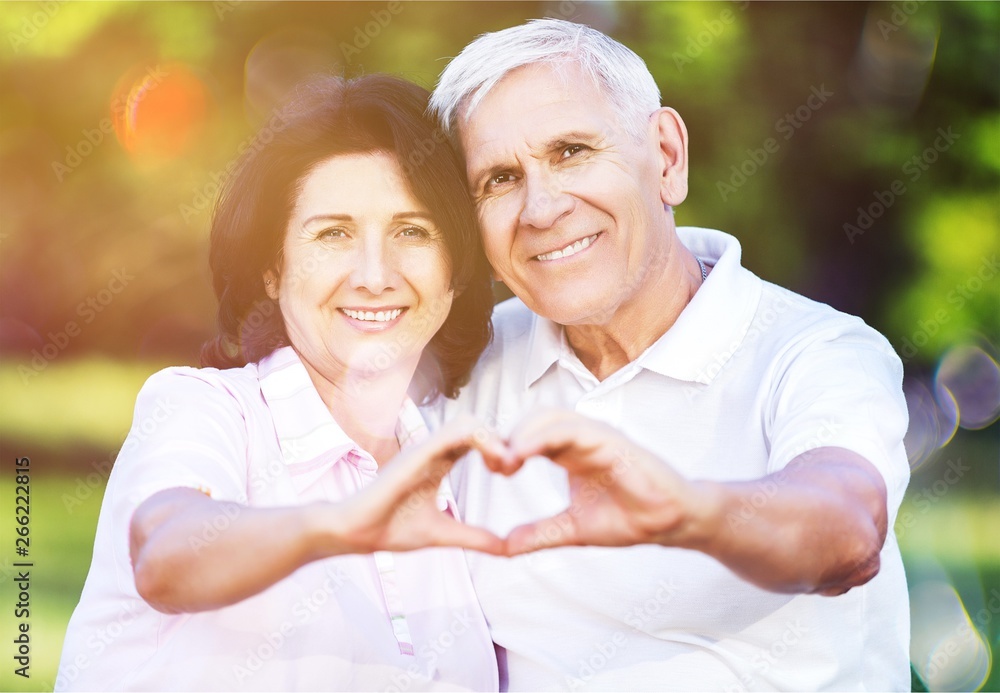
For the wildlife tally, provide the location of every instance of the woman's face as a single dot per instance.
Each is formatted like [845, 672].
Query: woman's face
[365, 280]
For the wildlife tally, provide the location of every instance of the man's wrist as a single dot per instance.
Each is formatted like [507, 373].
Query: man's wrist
[701, 517]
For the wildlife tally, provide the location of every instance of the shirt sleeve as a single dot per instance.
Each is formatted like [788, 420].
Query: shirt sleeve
[843, 390]
[188, 430]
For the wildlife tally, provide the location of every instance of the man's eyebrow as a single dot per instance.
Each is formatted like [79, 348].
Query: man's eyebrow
[476, 179]
[564, 139]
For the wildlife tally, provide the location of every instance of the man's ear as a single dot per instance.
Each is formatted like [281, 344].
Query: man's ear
[672, 138]
[271, 284]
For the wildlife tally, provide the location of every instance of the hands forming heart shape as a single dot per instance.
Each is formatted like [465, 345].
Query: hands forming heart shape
[620, 493]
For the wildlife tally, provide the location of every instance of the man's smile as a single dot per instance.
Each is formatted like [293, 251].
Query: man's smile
[569, 250]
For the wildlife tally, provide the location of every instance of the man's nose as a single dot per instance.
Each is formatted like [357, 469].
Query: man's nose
[545, 199]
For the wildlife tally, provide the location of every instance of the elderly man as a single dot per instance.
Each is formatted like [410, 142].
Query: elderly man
[744, 442]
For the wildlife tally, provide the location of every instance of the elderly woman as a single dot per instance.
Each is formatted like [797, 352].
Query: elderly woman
[257, 528]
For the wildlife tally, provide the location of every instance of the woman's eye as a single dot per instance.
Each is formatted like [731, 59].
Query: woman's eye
[572, 150]
[414, 232]
[331, 233]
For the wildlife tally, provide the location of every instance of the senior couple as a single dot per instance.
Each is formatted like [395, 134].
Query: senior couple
[661, 473]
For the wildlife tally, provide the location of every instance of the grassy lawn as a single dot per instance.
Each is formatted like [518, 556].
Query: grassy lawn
[951, 527]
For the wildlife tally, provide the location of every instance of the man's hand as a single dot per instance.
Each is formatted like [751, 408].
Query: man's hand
[620, 494]
[820, 531]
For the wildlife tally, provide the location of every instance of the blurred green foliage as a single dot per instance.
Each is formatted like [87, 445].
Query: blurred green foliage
[739, 73]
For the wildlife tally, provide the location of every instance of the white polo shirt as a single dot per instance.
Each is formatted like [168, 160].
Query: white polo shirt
[750, 376]
[261, 436]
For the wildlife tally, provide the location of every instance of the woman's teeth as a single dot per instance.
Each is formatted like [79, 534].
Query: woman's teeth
[380, 316]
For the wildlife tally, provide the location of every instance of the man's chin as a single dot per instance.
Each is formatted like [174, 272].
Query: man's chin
[572, 311]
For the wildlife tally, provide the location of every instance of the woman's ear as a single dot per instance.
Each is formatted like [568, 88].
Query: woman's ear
[271, 284]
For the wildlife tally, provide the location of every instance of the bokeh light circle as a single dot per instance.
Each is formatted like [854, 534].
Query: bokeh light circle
[931, 424]
[159, 111]
[972, 379]
[946, 649]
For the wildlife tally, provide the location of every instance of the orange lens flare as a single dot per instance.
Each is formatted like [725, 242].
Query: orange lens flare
[160, 111]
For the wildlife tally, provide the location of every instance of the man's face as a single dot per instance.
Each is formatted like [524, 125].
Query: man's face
[571, 206]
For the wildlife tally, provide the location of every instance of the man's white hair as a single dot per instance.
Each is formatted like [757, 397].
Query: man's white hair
[618, 72]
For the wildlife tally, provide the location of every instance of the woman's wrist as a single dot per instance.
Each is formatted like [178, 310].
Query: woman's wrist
[323, 531]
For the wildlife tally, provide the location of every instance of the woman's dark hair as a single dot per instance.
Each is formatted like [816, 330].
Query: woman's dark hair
[326, 117]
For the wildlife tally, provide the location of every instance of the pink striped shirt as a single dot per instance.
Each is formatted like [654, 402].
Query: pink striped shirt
[261, 436]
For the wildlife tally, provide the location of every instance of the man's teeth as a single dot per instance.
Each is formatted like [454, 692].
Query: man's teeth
[380, 316]
[571, 249]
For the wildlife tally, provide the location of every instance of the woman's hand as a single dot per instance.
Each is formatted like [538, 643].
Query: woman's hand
[400, 511]
[179, 567]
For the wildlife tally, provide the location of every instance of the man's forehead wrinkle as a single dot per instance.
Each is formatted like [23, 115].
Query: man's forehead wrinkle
[563, 67]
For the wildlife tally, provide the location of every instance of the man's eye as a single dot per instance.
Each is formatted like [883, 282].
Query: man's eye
[500, 179]
[572, 150]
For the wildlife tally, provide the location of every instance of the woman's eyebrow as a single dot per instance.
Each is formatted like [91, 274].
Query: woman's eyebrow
[327, 217]
[426, 216]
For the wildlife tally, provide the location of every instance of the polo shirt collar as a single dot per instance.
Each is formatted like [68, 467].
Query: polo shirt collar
[307, 433]
[545, 345]
[707, 333]
[711, 328]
